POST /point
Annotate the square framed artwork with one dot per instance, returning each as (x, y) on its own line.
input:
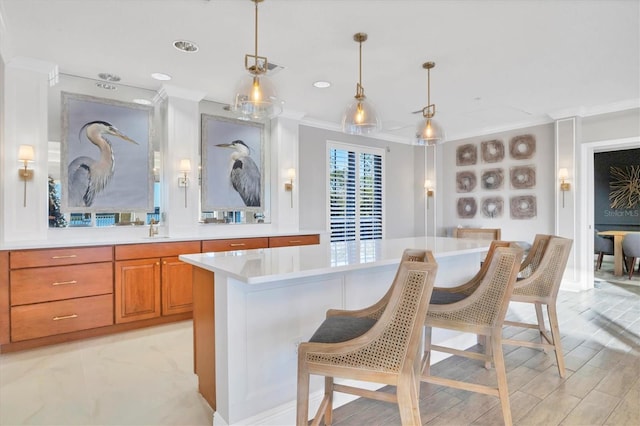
(466, 155)
(522, 147)
(106, 155)
(522, 177)
(232, 164)
(523, 207)
(492, 151)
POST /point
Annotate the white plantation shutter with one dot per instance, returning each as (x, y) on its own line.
(355, 193)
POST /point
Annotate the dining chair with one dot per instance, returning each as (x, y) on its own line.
(477, 233)
(482, 313)
(377, 344)
(601, 246)
(631, 251)
(541, 288)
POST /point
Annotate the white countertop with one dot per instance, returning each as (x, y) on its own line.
(267, 265)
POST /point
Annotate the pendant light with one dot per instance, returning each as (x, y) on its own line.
(428, 131)
(256, 97)
(360, 117)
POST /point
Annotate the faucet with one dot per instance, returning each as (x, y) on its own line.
(153, 231)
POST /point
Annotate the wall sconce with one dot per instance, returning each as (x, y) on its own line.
(288, 186)
(428, 190)
(564, 186)
(26, 155)
(183, 181)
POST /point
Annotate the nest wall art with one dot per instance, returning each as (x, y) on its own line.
(497, 179)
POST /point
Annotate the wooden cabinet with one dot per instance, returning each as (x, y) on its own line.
(177, 292)
(53, 295)
(294, 240)
(151, 281)
(49, 300)
(137, 290)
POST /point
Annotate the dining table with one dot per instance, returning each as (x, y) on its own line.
(618, 257)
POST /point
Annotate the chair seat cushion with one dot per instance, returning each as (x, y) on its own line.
(439, 297)
(341, 328)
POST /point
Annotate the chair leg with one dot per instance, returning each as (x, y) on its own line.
(599, 264)
(302, 407)
(632, 264)
(408, 405)
(555, 335)
(426, 357)
(328, 394)
(488, 352)
(501, 373)
(541, 326)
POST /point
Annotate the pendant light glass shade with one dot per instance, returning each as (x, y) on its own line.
(429, 131)
(360, 117)
(256, 96)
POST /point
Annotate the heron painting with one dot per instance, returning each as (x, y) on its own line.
(244, 175)
(106, 156)
(88, 176)
(232, 164)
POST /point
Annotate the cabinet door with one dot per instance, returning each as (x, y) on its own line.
(137, 290)
(177, 293)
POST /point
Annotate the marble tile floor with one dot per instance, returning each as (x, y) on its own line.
(144, 377)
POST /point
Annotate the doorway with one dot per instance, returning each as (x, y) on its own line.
(587, 217)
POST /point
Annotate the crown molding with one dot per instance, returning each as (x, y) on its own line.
(328, 125)
(596, 110)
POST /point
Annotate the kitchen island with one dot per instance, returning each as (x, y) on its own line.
(253, 307)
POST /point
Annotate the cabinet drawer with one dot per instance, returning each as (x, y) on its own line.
(62, 256)
(35, 285)
(149, 250)
(294, 240)
(235, 244)
(64, 316)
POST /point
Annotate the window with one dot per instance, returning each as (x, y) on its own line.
(355, 192)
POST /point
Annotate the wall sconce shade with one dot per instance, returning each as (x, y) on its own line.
(256, 96)
(26, 154)
(185, 165)
(288, 186)
(360, 117)
(428, 131)
(563, 174)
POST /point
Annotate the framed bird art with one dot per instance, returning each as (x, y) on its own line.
(106, 155)
(232, 164)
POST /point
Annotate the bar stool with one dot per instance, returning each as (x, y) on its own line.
(380, 346)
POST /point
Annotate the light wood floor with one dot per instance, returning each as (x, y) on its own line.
(601, 341)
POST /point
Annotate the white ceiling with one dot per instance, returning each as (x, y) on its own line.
(499, 64)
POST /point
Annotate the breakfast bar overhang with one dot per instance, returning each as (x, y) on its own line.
(253, 307)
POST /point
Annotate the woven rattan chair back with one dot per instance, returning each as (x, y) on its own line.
(541, 288)
(532, 261)
(482, 313)
(469, 286)
(386, 353)
(477, 233)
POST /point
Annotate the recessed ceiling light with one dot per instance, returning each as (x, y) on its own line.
(185, 46)
(321, 84)
(143, 101)
(108, 77)
(161, 76)
(106, 86)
